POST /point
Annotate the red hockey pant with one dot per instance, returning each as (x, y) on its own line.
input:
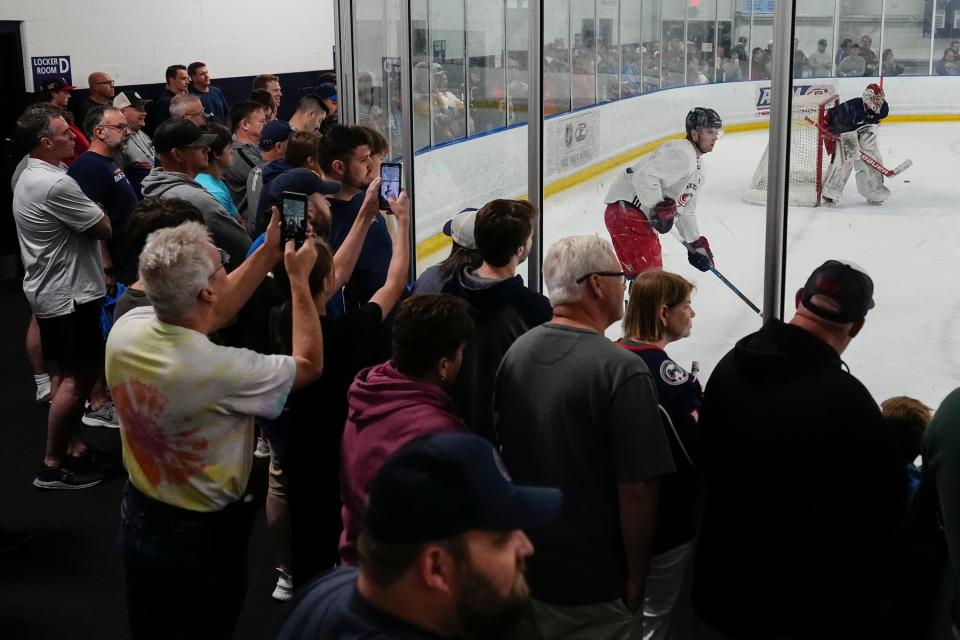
(634, 240)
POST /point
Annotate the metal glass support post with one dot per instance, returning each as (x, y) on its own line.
(345, 75)
(406, 126)
(716, 38)
(933, 34)
(883, 20)
(662, 44)
(836, 37)
(535, 140)
(686, 38)
(466, 74)
(750, 44)
(778, 169)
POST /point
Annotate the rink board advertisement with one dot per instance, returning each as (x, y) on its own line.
(571, 143)
(799, 91)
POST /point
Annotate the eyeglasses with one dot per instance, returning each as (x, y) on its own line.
(224, 260)
(104, 82)
(607, 274)
(118, 127)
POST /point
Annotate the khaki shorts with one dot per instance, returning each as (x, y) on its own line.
(276, 478)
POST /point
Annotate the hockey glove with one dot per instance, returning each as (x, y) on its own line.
(662, 215)
(700, 256)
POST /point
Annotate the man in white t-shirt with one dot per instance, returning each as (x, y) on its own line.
(59, 229)
(186, 409)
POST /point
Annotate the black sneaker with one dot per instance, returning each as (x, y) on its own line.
(67, 476)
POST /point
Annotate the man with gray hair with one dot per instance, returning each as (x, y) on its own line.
(186, 106)
(186, 408)
(595, 412)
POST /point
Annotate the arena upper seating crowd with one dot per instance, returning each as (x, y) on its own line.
(461, 457)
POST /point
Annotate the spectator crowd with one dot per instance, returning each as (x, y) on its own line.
(462, 457)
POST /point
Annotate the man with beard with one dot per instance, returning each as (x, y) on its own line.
(442, 554)
(137, 156)
(345, 157)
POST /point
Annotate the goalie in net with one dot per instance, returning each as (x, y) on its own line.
(808, 161)
(854, 126)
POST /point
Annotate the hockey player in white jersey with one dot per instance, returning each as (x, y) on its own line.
(854, 123)
(659, 194)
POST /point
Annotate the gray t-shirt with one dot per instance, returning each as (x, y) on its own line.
(575, 411)
(62, 265)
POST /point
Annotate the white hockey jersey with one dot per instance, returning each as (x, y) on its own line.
(675, 171)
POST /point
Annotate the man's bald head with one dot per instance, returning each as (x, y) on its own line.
(101, 86)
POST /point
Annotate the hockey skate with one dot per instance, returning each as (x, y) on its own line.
(875, 203)
(828, 202)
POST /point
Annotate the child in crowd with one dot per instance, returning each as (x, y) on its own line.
(908, 418)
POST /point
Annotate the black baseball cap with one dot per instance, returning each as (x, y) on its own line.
(845, 283)
(301, 181)
(446, 484)
(275, 131)
(178, 133)
(55, 83)
(325, 91)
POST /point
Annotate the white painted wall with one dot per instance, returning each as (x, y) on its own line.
(470, 173)
(135, 40)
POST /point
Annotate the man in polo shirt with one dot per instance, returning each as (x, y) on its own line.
(59, 230)
(442, 553)
(137, 156)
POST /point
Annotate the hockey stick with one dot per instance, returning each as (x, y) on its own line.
(870, 162)
(726, 282)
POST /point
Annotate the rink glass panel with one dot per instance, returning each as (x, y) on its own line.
(557, 78)
(485, 90)
(518, 36)
(377, 66)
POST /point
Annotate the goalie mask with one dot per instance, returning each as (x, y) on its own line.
(873, 97)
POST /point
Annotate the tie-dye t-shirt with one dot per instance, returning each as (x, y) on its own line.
(186, 409)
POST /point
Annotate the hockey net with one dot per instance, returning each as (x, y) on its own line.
(808, 160)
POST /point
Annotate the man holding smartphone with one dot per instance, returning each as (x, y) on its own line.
(345, 156)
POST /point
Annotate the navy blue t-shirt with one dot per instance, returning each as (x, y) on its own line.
(105, 183)
(680, 396)
(370, 274)
(330, 607)
(214, 105)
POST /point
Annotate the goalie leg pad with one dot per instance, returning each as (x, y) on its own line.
(634, 240)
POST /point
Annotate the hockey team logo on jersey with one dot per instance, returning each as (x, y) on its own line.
(672, 373)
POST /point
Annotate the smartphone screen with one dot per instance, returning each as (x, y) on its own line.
(389, 181)
(294, 212)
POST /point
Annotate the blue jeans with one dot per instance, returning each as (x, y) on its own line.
(186, 571)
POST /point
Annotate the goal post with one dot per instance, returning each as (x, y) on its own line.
(808, 160)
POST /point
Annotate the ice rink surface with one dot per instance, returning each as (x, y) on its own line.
(910, 344)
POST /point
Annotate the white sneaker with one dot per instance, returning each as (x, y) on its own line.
(263, 448)
(284, 589)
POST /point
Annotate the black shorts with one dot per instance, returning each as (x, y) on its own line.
(74, 341)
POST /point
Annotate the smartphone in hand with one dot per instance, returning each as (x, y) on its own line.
(293, 218)
(389, 183)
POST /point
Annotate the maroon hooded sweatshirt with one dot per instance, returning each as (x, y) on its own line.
(386, 410)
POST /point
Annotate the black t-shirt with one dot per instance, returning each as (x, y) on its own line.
(313, 426)
(105, 183)
(331, 607)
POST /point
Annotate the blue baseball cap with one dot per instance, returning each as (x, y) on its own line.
(275, 131)
(326, 91)
(446, 484)
(303, 181)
